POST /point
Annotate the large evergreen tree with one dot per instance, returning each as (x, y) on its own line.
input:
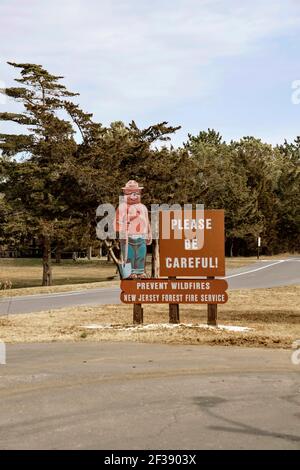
(288, 193)
(36, 172)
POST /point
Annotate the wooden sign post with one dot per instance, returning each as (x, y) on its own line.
(174, 310)
(212, 312)
(138, 314)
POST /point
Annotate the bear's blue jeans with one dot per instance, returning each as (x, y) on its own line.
(136, 254)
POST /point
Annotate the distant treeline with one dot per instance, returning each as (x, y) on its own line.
(52, 183)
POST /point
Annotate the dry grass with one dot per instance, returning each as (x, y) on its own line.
(28, 272)
(241, 261)
(272, 314)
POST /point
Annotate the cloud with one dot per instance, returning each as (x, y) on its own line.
(132, 58)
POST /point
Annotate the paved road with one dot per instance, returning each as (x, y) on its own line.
(266, 274)
(260, 274)
(142, 396)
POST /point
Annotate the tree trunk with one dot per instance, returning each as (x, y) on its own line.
(58, 254)
(47, 267)
(231, 248)
(89, 253)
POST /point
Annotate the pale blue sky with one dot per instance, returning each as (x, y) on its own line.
(227, 65)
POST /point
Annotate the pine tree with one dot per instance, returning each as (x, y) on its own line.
(36, 172)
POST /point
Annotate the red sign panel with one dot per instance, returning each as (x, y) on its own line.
(192, 291)
(192, 243)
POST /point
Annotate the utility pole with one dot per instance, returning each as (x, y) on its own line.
(258, 246)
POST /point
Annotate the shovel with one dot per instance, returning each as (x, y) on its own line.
(125, 268)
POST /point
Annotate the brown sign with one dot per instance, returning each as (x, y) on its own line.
(192, 243)
(191, 291)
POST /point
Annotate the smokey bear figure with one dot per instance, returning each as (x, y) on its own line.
(134, 230)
